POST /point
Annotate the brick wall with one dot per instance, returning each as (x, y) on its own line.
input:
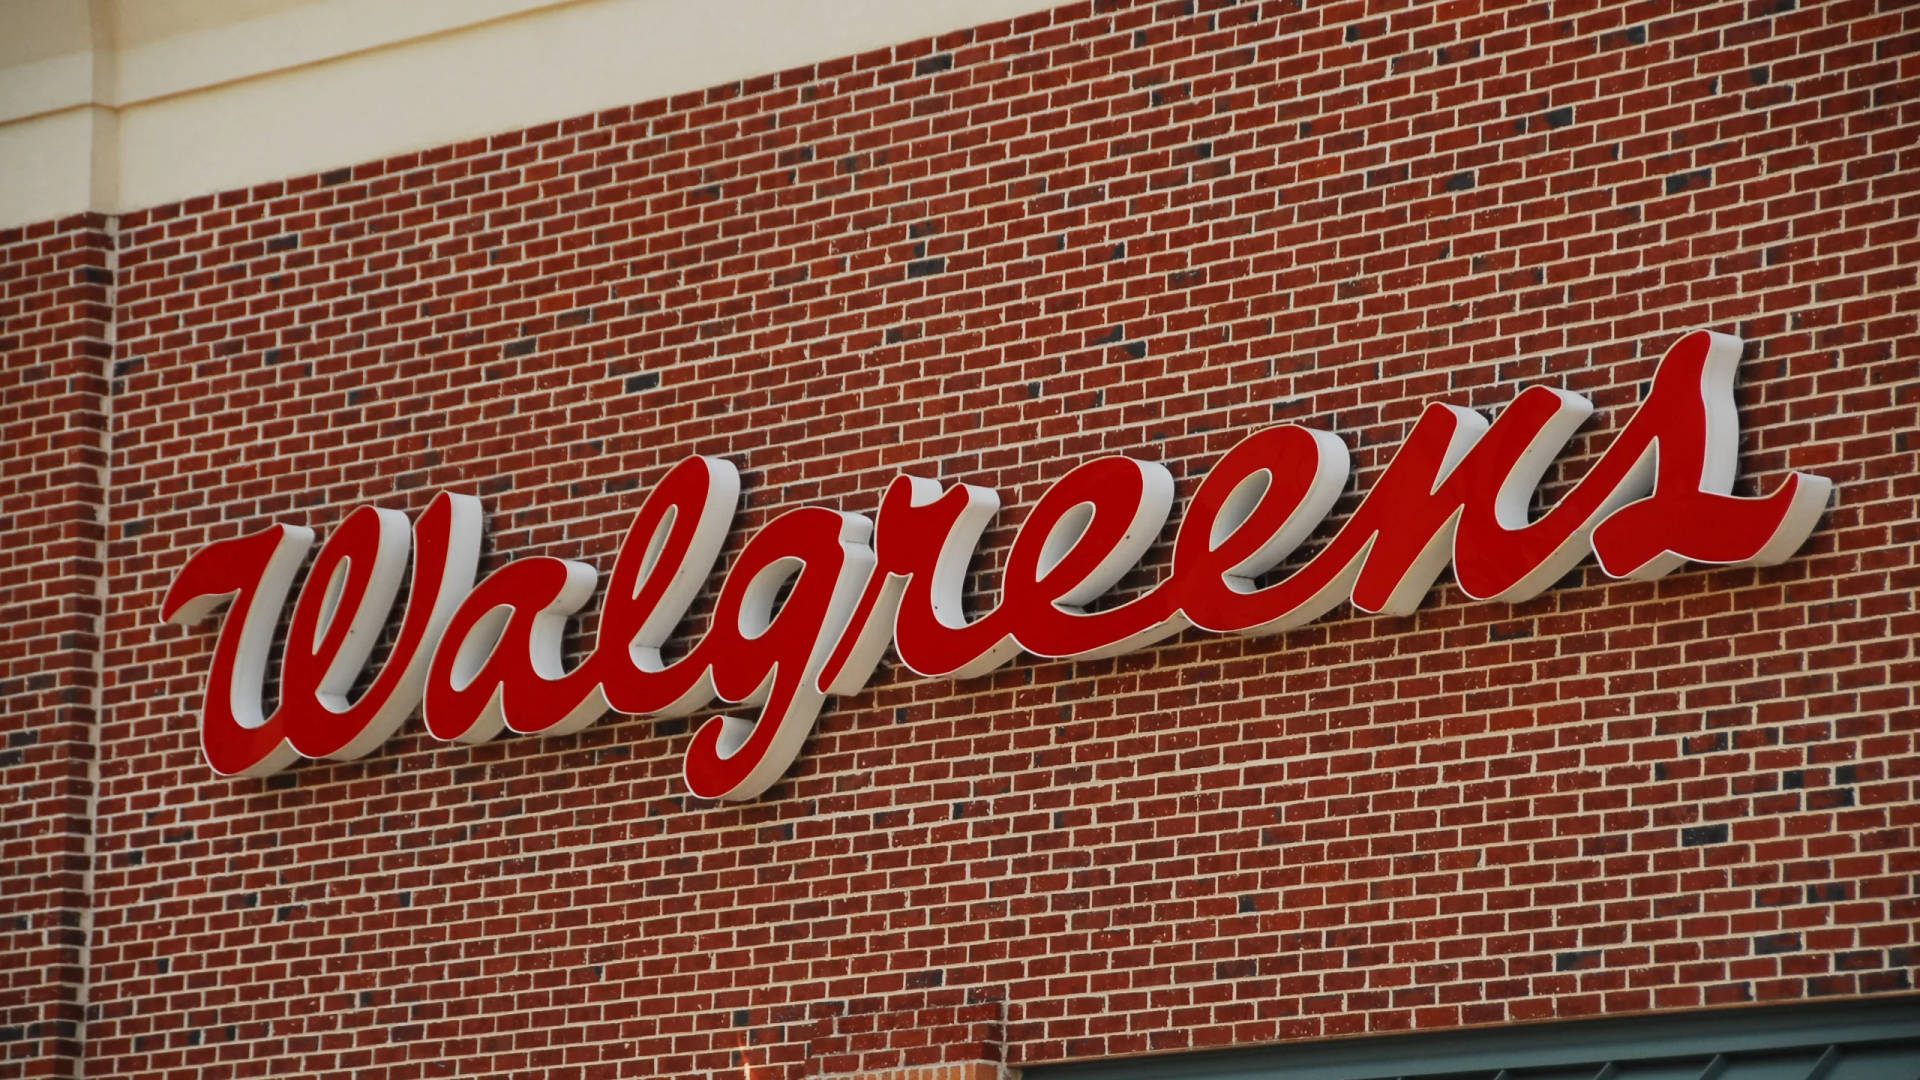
(55, 334)
(1145, 229)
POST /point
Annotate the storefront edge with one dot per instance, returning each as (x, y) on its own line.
(56, 335)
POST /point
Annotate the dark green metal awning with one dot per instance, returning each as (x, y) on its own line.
(1860, 1040)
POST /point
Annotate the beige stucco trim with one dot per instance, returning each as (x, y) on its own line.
(115, 105)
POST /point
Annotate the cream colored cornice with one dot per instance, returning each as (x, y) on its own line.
(115, 105)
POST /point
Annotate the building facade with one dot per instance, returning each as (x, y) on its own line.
(268, 263)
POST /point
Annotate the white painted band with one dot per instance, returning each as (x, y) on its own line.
(124, 104)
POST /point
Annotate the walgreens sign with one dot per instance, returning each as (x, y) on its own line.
(811, 604)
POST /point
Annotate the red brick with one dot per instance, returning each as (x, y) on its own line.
(1132, 228)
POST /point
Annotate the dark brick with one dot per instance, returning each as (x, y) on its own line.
(1576, 961)
(1699, 835)
(1687, 181)
(1832, 892)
